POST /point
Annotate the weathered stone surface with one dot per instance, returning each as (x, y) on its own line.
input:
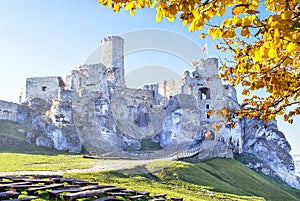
(44, 142)
(21, 131)
(271, 147)
(181, 122)
(38, 123)
(38, 106)
(95, 110)
(45, 88)
(65, 138)
(135, 114)
(29, 137)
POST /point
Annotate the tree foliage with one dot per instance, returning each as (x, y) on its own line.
(264, 38)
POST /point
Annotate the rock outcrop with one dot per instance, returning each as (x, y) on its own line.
(95, 111)
(271, 149)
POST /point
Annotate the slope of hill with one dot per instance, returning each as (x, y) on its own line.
(225, 179)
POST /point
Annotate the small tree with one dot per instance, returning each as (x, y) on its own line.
(264, 38)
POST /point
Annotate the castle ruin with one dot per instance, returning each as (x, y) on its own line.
(92, 109)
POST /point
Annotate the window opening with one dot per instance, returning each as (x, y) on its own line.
(44, 88)
(204, 93)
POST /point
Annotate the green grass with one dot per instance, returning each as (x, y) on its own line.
(18, 162)
(216, 179)
(147, 145)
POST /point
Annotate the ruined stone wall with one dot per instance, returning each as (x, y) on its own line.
(89, 78)
(230, 97)
(169, 88)
(181, 124)
(8, 111)
(136, 113)
(41, 87)
(134, 97)
(13, 112)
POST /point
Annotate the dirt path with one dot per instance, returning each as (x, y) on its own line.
(101, 165)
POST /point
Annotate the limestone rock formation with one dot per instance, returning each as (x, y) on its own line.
(270, 146)
(181, 122)
(94, 110)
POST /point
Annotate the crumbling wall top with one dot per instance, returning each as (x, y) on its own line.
(111, 38)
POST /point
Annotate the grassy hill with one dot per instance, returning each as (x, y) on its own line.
(216, 179)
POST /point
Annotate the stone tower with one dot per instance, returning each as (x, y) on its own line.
(208, 91)
(112, 56)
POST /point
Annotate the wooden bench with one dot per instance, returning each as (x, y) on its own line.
(108, 199)
(160, 196)
(34, 191)
(177, 199)
(68, 180)
(129, 191)
(8, 194)
(135, 197)
(8, 185)
(83, 182)
(74, 181)
(28, 198)
(112, 189)
(15, 178)
(143, 193)
(20, 188)
(36, 181)
(82, 194)
(89, 194)
(47, 176)
(54, 194)
(118, 194)
(71, 186)
(6, 182)
(106, 186)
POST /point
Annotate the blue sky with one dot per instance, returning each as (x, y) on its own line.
(52, 37)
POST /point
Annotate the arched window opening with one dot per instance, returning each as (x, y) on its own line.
(204, 93)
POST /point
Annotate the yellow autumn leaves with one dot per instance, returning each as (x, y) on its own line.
(263, 36)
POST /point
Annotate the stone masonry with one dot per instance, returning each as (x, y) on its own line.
(93, 110)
